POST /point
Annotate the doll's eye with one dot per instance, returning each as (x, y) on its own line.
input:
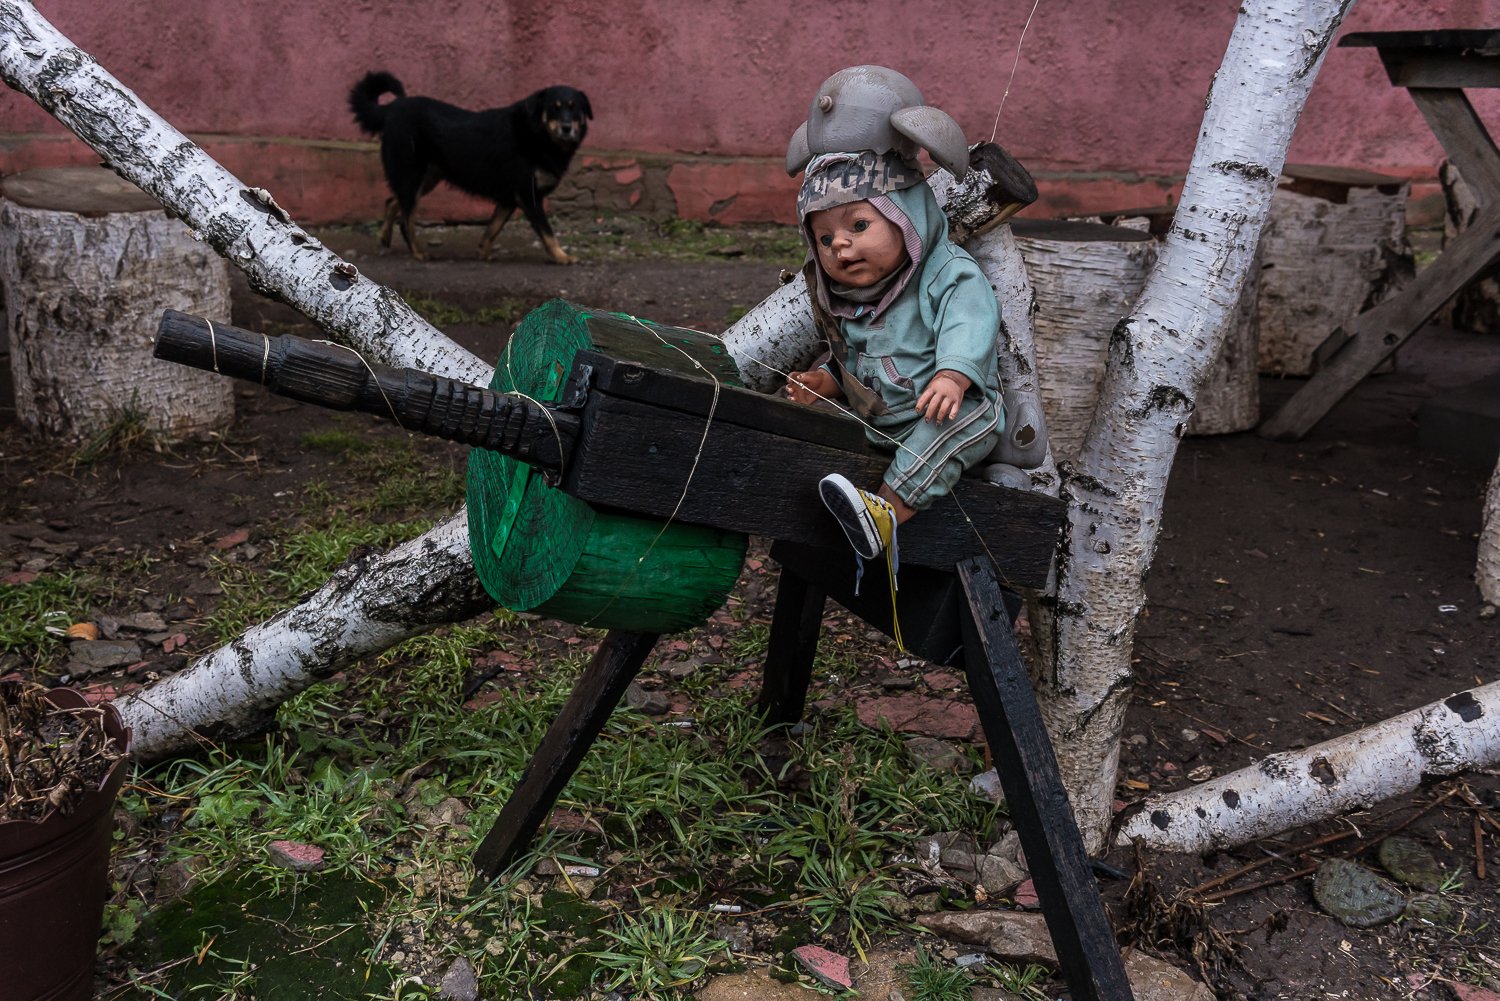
(860, 225)
(826, 240)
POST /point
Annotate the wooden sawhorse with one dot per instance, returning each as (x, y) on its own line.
(1435, 67)
(949, 617)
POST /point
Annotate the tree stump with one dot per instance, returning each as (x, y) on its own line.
(1334, 245)
(1087, 277)
(1477, 307)
(88, 262)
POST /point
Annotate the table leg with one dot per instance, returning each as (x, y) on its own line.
(795, 624)
(1034, 794)
(1464, 138)
(597, 692)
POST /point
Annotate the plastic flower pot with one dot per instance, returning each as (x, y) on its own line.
(54, 880)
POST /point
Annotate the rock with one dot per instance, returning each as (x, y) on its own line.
(1412, 863)
(1355, 895)
(738, 937)
(1008, 935)
(295, 855)
(753, 985)
(939, 755)
(1152, 980)
(986, 785)
(1432, 909)
(1026, 897)
(955, 852)
(648, 703)
(88, 656)
(143, 622)
(459, 982)
(998, 874)
(932, 717)
(828, 968)
(1463, 992)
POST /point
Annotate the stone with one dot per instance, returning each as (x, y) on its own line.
(1432, 909)
(1357, 896)
(933, 717)
(459, 982)
(88, 656)
(998, 874)
(955, 851)
(828, 968)
(648, 703)
(295, 855)
(1412, 863)
(143, 622)
(1152, 980)
(1463, 992)
(986, 785)
(939, 755)
(753, 985)
(1009, 935)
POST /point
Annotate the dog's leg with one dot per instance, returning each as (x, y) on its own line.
(392, 209)
(532, 206)
(497, 223)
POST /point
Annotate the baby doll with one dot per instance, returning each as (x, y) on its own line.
(911, 322)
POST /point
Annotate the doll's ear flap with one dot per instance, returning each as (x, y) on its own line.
(798, 153)
(937, 133)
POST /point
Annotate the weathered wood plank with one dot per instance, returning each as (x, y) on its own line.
(1034, 794)
(795, 623)
(648, 460)
(1464, 137)
(1372, 336)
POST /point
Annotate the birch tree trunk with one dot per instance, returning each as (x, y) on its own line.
(1487, 570)
(1158, 358)
(1349, 772)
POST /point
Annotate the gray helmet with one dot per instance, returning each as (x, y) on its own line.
(875, 108)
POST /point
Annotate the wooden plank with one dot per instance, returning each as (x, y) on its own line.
(651, 461)
(795, 623)
(1485, 40)
(1035, 797)
(1376, 333)
(595, 695)
(1414, 69)
(735, 405)
(1465, 139)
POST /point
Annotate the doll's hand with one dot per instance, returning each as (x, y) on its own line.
(809, 387)
(940, 400)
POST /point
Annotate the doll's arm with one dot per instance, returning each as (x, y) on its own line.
(810, 386)
(944, 392)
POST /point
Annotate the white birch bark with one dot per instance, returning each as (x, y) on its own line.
(1158, 358)
(243, 224)
(367, 606)
(1487, 570)
(83, 294)
(1350, 772)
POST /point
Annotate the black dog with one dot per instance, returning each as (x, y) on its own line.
(513, 156)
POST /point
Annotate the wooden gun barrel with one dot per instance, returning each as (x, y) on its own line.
(340, 378)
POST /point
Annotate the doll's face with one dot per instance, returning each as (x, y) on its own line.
(857, 246)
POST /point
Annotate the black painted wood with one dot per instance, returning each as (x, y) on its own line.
(597, 692)
(641, 458)
(1034, 793)
(795, 624)
(341, 379)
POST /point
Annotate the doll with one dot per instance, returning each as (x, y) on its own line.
(910, 319)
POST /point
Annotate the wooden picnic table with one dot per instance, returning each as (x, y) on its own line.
(1436, 68)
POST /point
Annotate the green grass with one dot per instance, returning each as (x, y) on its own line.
(442, 313)
(51, 602)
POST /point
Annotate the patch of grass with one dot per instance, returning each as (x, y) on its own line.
(337, 440)
(442, 313)
(654, 952)
(126, 430)
(928, 980)
(27, 610)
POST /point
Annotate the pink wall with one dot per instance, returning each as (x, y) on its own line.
(1104, 108)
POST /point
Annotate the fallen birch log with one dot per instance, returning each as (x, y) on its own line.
(1294, 788)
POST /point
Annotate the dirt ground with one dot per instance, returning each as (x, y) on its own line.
(1299, 591)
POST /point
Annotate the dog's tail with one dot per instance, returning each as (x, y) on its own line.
(364, 100)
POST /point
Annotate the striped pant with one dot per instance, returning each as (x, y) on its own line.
(930, 457)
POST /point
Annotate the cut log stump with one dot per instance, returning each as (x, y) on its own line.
(87, 264)
(1334, 245)
(1087, 277)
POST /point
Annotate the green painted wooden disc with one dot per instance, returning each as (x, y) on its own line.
(539, 549)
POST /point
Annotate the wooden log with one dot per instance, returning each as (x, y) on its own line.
(1334, 245)
(1477, 307)
(1229, 398)
(87, 261)
(1087, 277)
